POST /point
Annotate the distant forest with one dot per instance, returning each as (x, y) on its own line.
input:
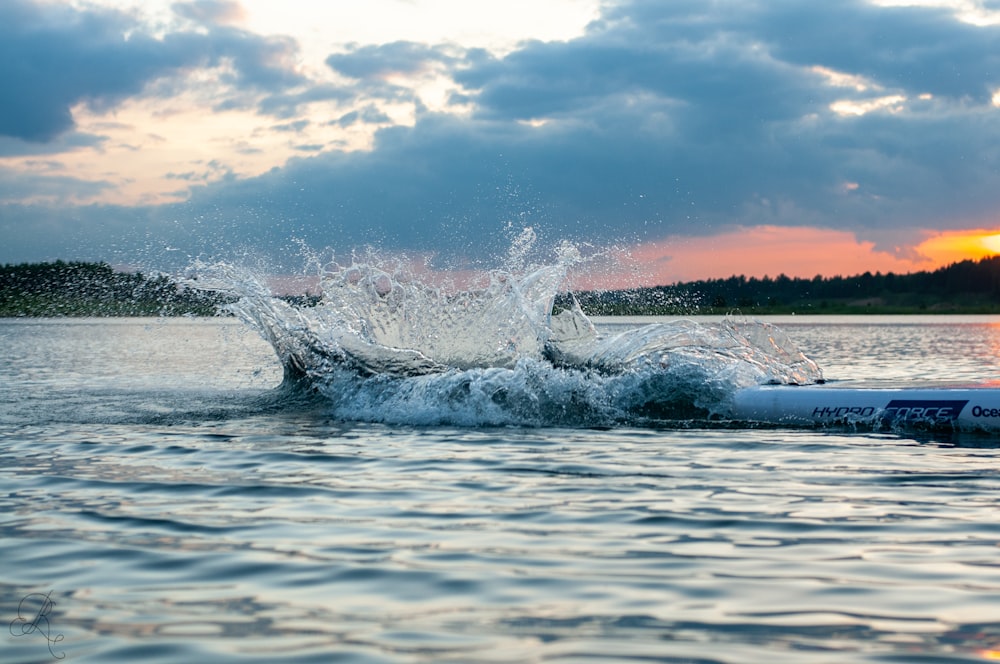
(963, 287)
(96, 289)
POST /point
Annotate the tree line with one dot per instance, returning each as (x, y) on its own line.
(95, 289)
(964, 287)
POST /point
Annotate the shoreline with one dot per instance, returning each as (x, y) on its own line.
(812, 312)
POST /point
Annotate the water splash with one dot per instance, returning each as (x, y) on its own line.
(389, 340)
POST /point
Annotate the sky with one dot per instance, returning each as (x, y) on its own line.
(680, 140)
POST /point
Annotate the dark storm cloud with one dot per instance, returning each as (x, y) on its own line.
(665, 118)
(53, 57)
(743, 60)
(258, 63)
(377, 61)
(921, 50)
(19, 185)
(372, 66)
(67, 142)
(286, 104)
(462, 187)
(680, 117)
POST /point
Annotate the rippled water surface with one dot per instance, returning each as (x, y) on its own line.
(173, 505)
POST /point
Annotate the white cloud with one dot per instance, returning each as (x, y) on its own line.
(889, 103)
(843, 80)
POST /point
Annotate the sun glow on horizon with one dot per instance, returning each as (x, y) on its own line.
(952, 246)
(800, 252)
(991, 242)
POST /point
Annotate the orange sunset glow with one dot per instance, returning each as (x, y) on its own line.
(799, 252)
(953, 246)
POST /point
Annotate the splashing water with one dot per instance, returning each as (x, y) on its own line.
(386, 342)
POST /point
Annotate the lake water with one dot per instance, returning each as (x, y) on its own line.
(162, 501)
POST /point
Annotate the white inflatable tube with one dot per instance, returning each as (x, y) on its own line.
(965, 408)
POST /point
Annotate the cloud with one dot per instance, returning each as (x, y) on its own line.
(67, 142)
(664, 119)
(736, 66)
(259, 63)
(382, 60)
(292, 127)
(46, 185)
(288, 103)
(679, 119)
(370, 114)
(53, 57)
(393, 73)
(211, 12)
(915, 49)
